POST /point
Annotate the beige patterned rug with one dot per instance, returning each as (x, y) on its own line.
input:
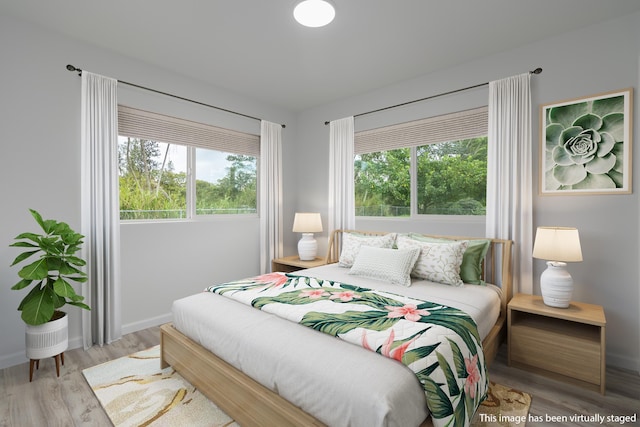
(134, 391)
(504, 406)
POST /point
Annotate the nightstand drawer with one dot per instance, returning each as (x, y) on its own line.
(573, 356)
(567, 344)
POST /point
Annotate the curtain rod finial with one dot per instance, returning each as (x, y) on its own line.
(72, 68)
(537, 71)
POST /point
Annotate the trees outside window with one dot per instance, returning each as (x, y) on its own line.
(382, 183)
(150, 185)
(225, 183)
(174, 168)
(155, 183)
(450, 179)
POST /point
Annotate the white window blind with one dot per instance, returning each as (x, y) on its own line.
(136, 123)
(448, 127)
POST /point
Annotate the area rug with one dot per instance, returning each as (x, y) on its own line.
(504, 406)
(134, 391)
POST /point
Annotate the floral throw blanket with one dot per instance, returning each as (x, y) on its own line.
(439, 344)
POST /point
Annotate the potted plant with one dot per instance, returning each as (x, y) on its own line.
(50, 277)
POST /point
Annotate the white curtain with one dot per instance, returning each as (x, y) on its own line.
(342, 211)
(509, 179)
(100, 209)
(270, 194)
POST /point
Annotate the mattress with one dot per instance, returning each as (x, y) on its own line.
(338, 383)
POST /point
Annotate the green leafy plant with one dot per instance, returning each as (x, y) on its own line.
(51, 274)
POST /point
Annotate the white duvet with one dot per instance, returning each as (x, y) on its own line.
(338, 383)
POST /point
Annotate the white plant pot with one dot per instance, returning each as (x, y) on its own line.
(48, 339)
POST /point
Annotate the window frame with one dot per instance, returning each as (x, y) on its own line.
(457, 126)
(137, 123)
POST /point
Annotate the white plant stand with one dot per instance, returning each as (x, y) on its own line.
(50, 339)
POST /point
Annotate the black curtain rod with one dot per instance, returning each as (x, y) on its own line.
(536, 71)
(72, 68)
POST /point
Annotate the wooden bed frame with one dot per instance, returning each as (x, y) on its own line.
(249, 403)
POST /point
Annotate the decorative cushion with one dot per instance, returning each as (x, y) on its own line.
(471, 267)
(351, 244)
(389, 265)
(438, 261)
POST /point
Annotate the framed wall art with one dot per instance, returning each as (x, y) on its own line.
(585, 145)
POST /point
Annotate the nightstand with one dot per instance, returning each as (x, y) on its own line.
(293, 263)
(564, 343)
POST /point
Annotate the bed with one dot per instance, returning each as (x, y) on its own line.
(222, 368)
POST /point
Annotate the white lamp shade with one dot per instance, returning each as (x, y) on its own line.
(307, 223)
(557, 244)
(314, 13)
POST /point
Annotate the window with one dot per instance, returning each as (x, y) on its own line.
(152, 179)
(226, 183)
(452, 177)
(434, 166)
(171, 168)
(382, 183)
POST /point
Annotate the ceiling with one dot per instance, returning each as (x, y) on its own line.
(255, 48)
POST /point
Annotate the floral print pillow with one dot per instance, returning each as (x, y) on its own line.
(438, 262)
(351, 244)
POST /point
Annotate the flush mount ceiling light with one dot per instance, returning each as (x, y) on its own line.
(314, 13)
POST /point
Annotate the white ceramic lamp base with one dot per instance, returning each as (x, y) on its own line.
(307, 247)
(556, 285)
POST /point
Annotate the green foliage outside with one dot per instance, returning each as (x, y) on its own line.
(382, 183)
(150, 188)
(451, 180)
(236, 192)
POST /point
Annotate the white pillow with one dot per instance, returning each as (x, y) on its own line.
(351, 244)
(389, 265)
(438, 261)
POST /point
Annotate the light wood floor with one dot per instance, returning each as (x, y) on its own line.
(68, 400)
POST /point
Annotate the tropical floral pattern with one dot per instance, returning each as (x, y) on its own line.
(439, 344)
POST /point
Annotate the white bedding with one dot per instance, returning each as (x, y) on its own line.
(338, 383)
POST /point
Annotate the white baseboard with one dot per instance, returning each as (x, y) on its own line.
(12, 359)
(623, 362)
(19, 357)
(146, 323)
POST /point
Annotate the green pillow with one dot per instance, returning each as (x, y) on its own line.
(471, 267)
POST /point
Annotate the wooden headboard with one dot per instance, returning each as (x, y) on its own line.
(497, 264)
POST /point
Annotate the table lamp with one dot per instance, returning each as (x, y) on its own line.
(557, 245)
(307, 224)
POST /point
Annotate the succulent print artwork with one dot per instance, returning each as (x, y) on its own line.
(587, 145)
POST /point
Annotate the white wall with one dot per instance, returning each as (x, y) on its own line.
(596, 59)
(40, 158)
